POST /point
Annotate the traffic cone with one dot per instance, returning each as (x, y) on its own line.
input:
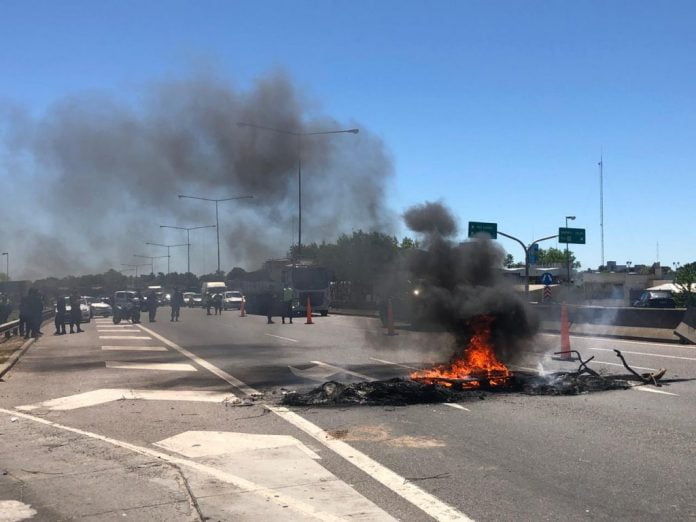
(390, 319)
(242, 309)
(309, 312)
(565, 354)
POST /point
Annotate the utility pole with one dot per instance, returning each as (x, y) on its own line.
(7, 266)
(601, 202)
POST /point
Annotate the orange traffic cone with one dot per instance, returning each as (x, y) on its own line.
(242, 309)
(390, 319)
(565, 354)
(309, 312)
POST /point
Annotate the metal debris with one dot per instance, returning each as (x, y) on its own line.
(647, 378)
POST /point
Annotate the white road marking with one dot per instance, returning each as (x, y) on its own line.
(267, 494)
(395, 364)
(14, 511)
(653, 390)
(105, 395)
(102, 330)
(428, 503)
(457, 406)
(647, 354)
(423, 500)
(135, 348)
(125, 337)
(283, 338)
(256, 457)
(205, 364)
(343, 370)
(166, 367)
(614, 340)
(622, 366)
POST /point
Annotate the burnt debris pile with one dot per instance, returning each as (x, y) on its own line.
(400, 392)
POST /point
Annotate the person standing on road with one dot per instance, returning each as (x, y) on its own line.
(152, 306)
(75, 312)
(34, 312)
(287, 304)
(60, 316)
(270, 304)
(208, 303)
(217, 304)
(177, 301)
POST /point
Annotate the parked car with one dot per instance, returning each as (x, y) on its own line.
(97, 306)
(194, 300)
(232, 300)
(85, 314)
(655, 299)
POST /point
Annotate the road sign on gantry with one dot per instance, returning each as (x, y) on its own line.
(571, 235)
(478, 227)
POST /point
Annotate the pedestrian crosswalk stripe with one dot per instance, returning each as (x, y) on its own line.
(168, 367)
(135, 348)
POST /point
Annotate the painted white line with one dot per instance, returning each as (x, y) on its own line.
(166, 367)
(653, 390)
(524, 368)
(395, 364)
(125, 337)
(283, 338)
(457, 406)
(614, 340)
(135, 348)
(105, 395)
(622, 366)
(647, 354)
(274, 495)
(423, 500)
(205, 364)
(113, 330)
(343, 370)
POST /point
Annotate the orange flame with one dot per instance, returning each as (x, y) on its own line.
(477, 361)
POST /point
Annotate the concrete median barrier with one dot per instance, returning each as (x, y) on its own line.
(686, 330)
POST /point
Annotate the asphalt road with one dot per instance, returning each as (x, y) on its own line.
(622, 455)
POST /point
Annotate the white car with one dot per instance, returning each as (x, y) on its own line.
(232, 300)
(98, 307)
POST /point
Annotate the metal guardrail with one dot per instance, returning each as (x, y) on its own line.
(13, 327)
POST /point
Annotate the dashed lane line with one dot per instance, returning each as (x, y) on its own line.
(167, 367)
(283, 338)
(395, 364)
(274, 495)
(653, 390)
(142, 337)
(613, 340)
(648, 354)
(622, 366)
(456, 406)
(411, 493)
(344, 370)
(134, 348)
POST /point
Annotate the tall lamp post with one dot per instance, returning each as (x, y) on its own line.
(188, 241)
(299, 136)
(152, 261)
(217, 217)
(7, 266)
(567, 252)
(167, 247)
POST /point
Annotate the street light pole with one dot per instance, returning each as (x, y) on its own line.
(7, 266)
(188, 240)
(567, 252)
(526, 249)
(135, 267)
(217, 218)
(167, 247)
(299, 136)
(152, 261)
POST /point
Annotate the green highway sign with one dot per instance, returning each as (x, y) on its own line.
(571, 235)
(476, 227)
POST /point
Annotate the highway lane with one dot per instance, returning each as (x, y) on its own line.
(620, 455)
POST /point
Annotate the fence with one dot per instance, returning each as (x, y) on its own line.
(13, 327)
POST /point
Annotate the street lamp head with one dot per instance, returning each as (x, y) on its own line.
(572, 218)
(353, 131)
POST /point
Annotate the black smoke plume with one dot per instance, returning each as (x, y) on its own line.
(89, 180)
(461, 281)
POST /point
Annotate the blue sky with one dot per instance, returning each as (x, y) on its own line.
(500, 109)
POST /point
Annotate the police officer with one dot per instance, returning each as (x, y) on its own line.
(60, 316)
(217, 304)
(152, 306)
(75, 313)
(287, 304)
(177, 301)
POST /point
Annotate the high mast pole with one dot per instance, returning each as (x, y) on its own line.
(601, 203)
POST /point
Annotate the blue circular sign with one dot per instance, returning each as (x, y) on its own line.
(546, 278)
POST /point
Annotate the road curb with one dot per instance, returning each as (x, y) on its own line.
(7, 365)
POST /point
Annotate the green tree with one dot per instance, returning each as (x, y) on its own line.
(556, 256)
(685, 279)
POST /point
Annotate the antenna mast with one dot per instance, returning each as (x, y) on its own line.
(601, 202)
